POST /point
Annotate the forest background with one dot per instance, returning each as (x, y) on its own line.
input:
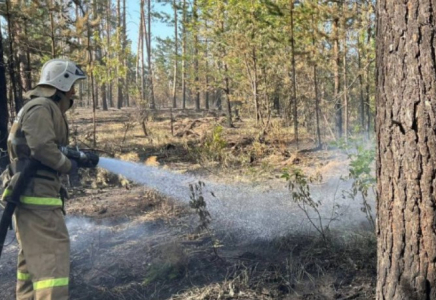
(309, 63)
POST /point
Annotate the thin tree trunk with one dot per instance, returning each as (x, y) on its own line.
(149, 57)
(206, 96)
(294, 80)
(94, 100)
(18, 100)
(4, 113)
(100, 54)
(138, 50)
(345, 93)
(52, 29)
(346, 113)
(184, 56)
(367, 88)
(142, 69)
(315, 82)
(406, 157)
(227, 91)
(125, 80)
(255, 86)
(28, 70)
(196, 63)
(175, 55)
(119, 54)
(361, 91)
(337, 61)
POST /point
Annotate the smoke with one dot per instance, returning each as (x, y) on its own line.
(249, 210)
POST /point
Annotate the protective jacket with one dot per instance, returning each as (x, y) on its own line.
(38, 131)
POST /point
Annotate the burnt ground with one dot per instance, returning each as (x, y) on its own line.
(129, 242)
(151, 250)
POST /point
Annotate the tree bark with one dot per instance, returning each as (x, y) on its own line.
(142, 68)
(121, 41)
(184, 55)
(255, 85)
(344, 68)
(28, 69)
(361, 89)
(196, 63)
(16, 90)
(206, 66)
(176, 53)
(125, 80)
(51, 9)
(367, 88)
(406, 160)
(315, 83)
(100, 54)
(337, 62)
(294, 80)
(149, 57)
(4, 113)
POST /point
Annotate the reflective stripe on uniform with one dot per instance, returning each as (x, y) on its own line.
(6, 193)
(35, 200)
(23, 276)
(49, 283)
(61, 162)
(17, 141)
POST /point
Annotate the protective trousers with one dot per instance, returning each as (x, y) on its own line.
(44, 256)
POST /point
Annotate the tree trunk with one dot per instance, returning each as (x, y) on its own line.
(367, 88)
(28, 69)
(125, 80)
(100, 54)
(406, 160)
(18, 99)
(227, 91)
(361, 91)
(183, 55)
(255, 85)
(176, 41)
(344, 68)
(149, 57)
(294, 80)
(206, 54)
(345, 92)
(108, 41)
(315, 83)
(337, 62)
(120, 39)
(142, 68)
(4, 114)
(196, 63)
(52, 29)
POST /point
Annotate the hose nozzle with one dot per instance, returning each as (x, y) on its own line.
(84, 159)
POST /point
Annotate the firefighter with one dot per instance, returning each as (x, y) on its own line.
(38, 131)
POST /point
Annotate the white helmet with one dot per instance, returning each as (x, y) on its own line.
(60, 74)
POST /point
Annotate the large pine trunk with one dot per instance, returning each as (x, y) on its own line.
(406, 161)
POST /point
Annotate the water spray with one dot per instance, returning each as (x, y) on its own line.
(250, 210)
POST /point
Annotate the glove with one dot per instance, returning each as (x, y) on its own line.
(91, 160)
(73, 174)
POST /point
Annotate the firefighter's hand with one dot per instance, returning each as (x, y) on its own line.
(73, 174)
(88, 159)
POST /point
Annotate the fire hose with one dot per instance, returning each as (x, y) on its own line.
(29, 167)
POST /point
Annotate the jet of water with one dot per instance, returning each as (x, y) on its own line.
(241, 208)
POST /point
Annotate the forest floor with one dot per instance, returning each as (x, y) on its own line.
(131, 242)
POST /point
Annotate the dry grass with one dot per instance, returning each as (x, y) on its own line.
(289, 268)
